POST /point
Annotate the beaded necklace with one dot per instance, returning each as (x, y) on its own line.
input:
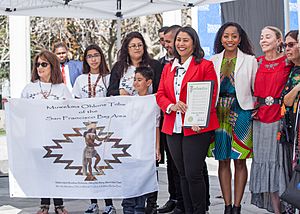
(44, 93)
(92, 90)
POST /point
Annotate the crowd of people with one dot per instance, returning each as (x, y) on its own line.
(253, 112)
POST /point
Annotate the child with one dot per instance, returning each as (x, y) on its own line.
(94, 83)
(142, 80)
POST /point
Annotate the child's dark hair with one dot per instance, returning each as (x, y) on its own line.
(146, 72)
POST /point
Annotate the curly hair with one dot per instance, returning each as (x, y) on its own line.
(245, 45)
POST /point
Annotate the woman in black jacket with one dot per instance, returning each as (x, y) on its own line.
(132, 54)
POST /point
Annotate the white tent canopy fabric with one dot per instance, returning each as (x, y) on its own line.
(103, 9)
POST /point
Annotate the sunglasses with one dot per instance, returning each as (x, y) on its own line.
(43, 64)
(290, 44)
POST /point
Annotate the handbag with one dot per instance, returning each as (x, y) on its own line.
(292, 194)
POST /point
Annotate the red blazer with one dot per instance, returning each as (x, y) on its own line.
(166, 96)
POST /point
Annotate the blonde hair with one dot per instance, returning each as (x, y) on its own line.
(278, 34)
(276, 30)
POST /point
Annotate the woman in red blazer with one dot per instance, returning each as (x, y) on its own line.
(188, 146)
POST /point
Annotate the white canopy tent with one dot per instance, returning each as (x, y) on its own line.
(102, 9)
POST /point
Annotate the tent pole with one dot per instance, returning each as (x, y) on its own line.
(286, 16)
(19, 51)
(119, 33)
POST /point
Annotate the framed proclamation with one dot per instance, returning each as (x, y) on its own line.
(199, 101)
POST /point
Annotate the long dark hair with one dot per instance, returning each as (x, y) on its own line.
(103, 68)
(198, 52)
(245, 45)
(123, 55)
(293, 34)
(51, 58)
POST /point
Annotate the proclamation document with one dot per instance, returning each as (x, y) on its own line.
(199, 98)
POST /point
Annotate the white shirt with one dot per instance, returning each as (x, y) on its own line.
(34, 90)
(126, 82)
(81, 87)
(179, 75)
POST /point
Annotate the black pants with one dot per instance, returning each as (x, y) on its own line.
(174, 187)
(189, 153)
(108, 202)
(206, 180)
(56, 201)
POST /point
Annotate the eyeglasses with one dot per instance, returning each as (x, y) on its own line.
(43, 64)
(93, 56)
(135, 46)
(290, 44)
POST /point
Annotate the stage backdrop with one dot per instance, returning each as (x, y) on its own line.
(50, 144)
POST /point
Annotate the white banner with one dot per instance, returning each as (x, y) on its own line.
(82, 148)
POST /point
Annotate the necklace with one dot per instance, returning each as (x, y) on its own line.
(92, 90)
(44, 93)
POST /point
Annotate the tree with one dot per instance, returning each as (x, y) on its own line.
(4, 48)
(79, 33)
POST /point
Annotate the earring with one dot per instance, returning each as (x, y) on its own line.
(278, 49)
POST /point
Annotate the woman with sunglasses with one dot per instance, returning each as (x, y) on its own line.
(292, 88)
(271, 77)
(94, 83)
(47, 83)
(290, 96)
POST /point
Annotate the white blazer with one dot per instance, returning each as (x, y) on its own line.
(244, 77)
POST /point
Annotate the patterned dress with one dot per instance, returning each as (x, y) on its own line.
(287, 135)
(233, 140)
(293, 80)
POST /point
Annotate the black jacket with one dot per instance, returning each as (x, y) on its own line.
(114, 82)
